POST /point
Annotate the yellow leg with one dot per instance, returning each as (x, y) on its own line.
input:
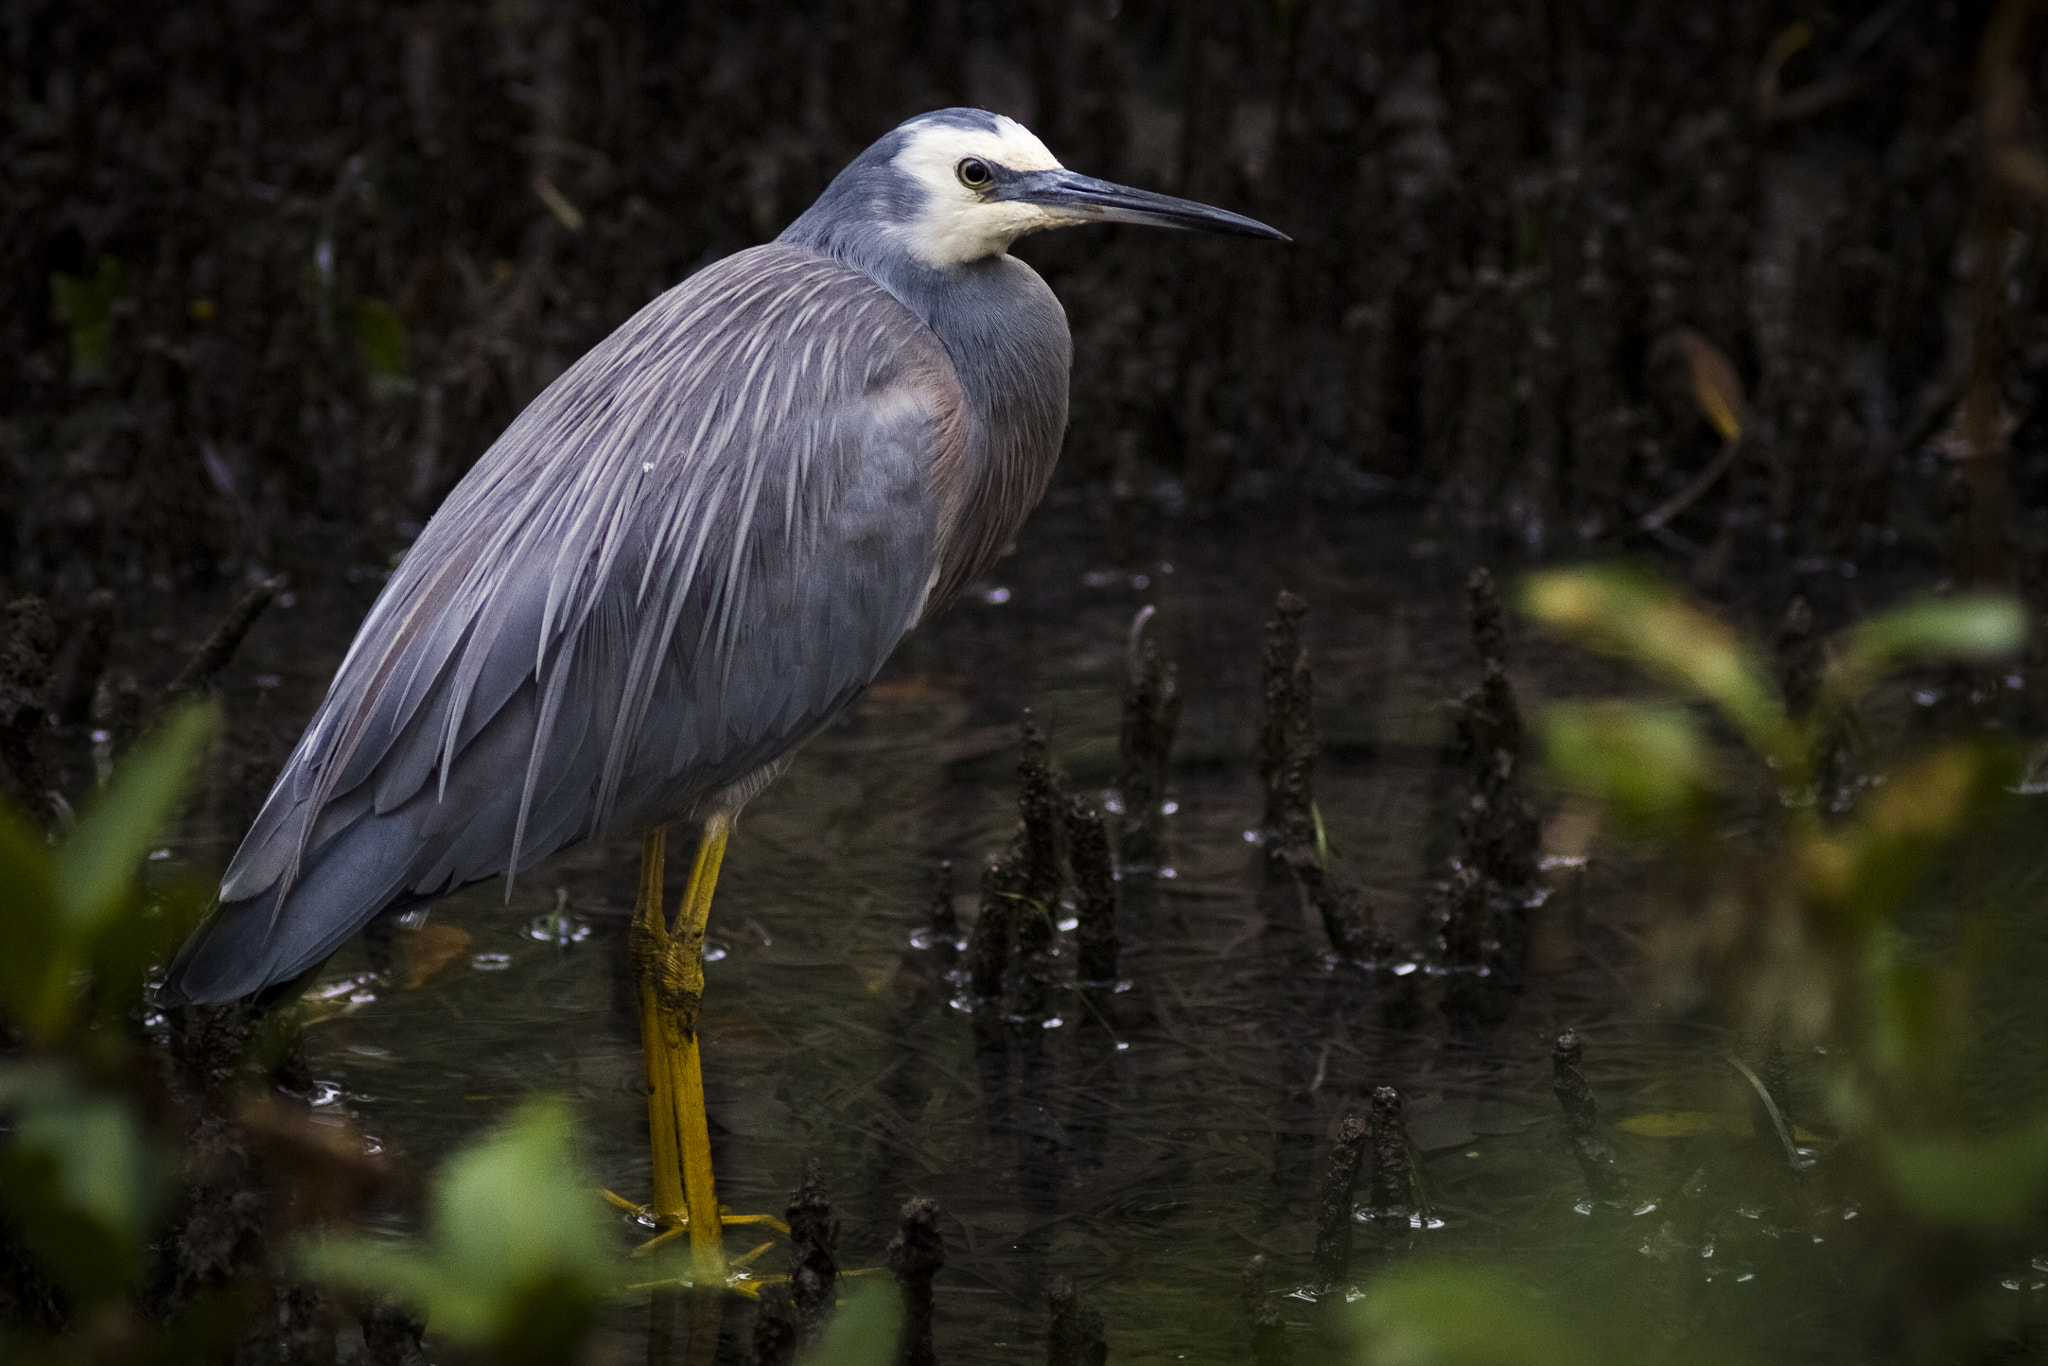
(668, 969)
(685, 991)
(649, 947)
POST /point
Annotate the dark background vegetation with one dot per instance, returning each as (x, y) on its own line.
(272, 275)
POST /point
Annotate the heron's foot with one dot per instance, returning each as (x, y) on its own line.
(741, 1279)
(678, 1225)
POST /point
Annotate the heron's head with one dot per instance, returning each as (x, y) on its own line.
(958, 185)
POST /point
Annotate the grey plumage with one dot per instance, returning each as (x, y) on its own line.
(687, 555)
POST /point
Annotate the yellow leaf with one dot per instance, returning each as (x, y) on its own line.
(1699, 1124)
(1715, 385)
(1689, 1124)
(430, 949)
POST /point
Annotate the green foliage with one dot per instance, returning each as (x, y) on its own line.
(83, 1176)
(382, 334)
(1995, 1185)
(862, 1330)
(1436, 1316)
(1800, 914)
(85, 304)
(517, 1255)
(1629, 613)
(75, 911)
(1647, 763)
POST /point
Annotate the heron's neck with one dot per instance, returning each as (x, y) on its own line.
(1007, 336)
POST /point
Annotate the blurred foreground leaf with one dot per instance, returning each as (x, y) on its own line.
(80, 1177)
(1994, 1185)
(517, 1254)
(1626, 612)
(1439, 1317)
(1645, 762)
(74, 909)
(1971, 627)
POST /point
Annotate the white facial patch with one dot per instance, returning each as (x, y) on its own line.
(957, 224)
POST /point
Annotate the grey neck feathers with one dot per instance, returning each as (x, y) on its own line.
(1006, 334)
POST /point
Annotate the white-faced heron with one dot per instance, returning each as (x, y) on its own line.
(683, 559)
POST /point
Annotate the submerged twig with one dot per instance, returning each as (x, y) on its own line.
(1287, 749)
(1582, 1121)
(916, 1254)
(1094, 894)
(1396, 1190)
(1333, 1205)
(1151, 714)
(218, 648)
(813, 1240)
(1074, 1337)
(1262, 1321)
(25, 657)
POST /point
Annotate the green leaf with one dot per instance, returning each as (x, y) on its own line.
(1634, 615)
(1993, 1185)
(96, 866)
(382, 334)
(1977, 626)
(862, 1330)
(28, 922)
(80, 1177)
(518, 1252)
(1644, 762)
(85, 303)
(1442, 1317)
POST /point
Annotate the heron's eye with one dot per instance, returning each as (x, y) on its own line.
(974, 174)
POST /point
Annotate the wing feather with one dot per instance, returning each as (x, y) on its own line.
(683, 558)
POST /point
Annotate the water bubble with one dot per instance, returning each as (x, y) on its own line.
(324, 1093)
(716, 950)
(558, 928)
(159, 855)
(1168, 808)
(1168, 874)
(368, 1050)
(1070, 923)
(996, 597)
(491, 962)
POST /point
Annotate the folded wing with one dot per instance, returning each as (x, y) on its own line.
(683, 558)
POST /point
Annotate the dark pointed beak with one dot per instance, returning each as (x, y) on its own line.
(1083, 199)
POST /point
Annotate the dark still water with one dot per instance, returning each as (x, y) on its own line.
(1147, 1145)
